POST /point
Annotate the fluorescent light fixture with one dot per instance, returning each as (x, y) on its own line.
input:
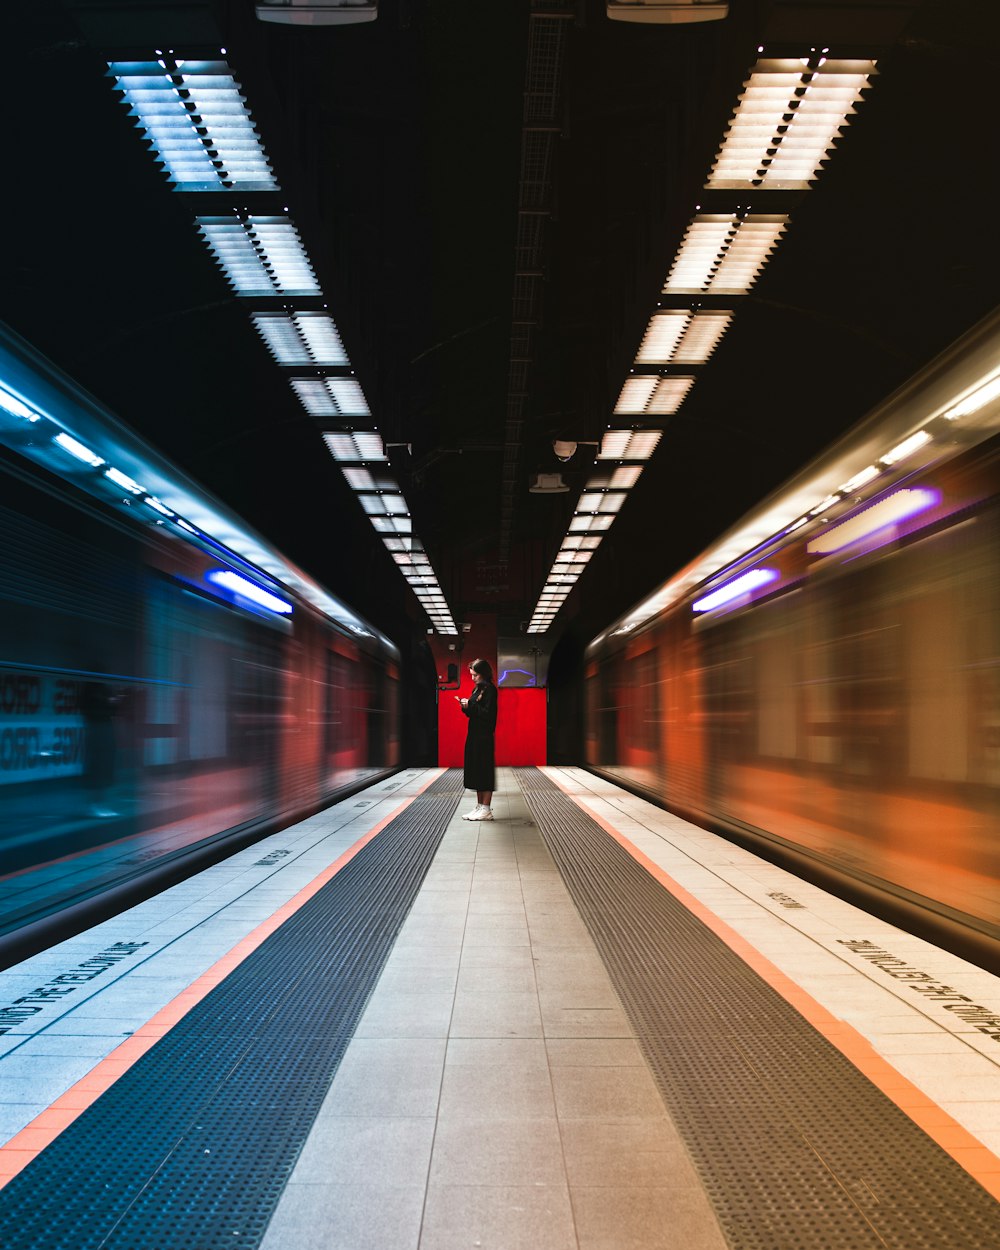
(392, 524)
(590, 524)
(17, 407)
(860, 479)
(629, 444)
(157, 506)
(624, 477)
(652, 395)
(356, 446)
(403, 544)
(246, 589)
(735, 589)
(301, 338)
(789, 117)
(898, 506)
(686, 338)
(906, 448)
(601, 501)
(331, 397)
(390, 505)
(205, 139)
(124, 481)
(363, 479)
(724, 254)
(260, 256)
(975, 400)
(661, 338)
(75, 448)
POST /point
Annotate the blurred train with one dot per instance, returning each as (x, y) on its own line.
(823, 684)
(171, 687)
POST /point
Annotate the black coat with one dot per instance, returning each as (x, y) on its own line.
(481, 710)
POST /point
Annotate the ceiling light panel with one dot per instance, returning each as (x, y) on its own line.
(678, 337)
(403, 544)
(789, 116)
(384, 504)
(642, 396)
(364, 479)
(392, 524)
(197, 123)
(590, 524)
(331, 397)
(629, 444)
(260, 255)
(723, 254)
(623, 477)
(355, 446)
(601, 501)
(301, 338)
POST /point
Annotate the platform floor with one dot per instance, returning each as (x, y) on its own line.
(494, 1092)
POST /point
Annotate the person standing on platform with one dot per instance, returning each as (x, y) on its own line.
(481, 709)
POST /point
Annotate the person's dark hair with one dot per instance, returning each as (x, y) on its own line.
(482, 667)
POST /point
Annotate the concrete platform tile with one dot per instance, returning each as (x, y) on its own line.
(630, 1154)
(591, 996)
(413, 955)
(570, 971)
(353, 1150)
(496, 1013)
(644, 1219)
(505, 956)
(346, 1217)
(497, 1152)
(495, 1093)
(594, 1052)
(375, 1091)
(418, 980)
(606, 1094)
(586, 1022)
(398, 1014)
(487, 901)
(523, 1217)
(497, 979)
(520, 1053)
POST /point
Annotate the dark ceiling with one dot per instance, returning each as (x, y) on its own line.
(398, 145)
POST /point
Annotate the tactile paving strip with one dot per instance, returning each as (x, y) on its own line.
(796, 1148)
(192, 1147)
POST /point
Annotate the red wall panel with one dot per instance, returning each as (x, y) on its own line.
(521, 726)
(521, 713)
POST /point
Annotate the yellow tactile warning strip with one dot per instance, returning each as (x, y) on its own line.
(21, 1149)
(982, 1164)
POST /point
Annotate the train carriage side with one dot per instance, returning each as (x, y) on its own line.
(845, 716)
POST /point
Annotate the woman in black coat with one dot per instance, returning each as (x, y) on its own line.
(481, 709)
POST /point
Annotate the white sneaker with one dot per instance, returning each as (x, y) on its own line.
(474, 814)
(485, 813)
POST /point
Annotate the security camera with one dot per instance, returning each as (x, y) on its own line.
(564, 449)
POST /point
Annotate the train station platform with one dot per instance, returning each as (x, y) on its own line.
(588, 1023)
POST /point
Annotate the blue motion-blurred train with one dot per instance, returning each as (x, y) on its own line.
(169, 683)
